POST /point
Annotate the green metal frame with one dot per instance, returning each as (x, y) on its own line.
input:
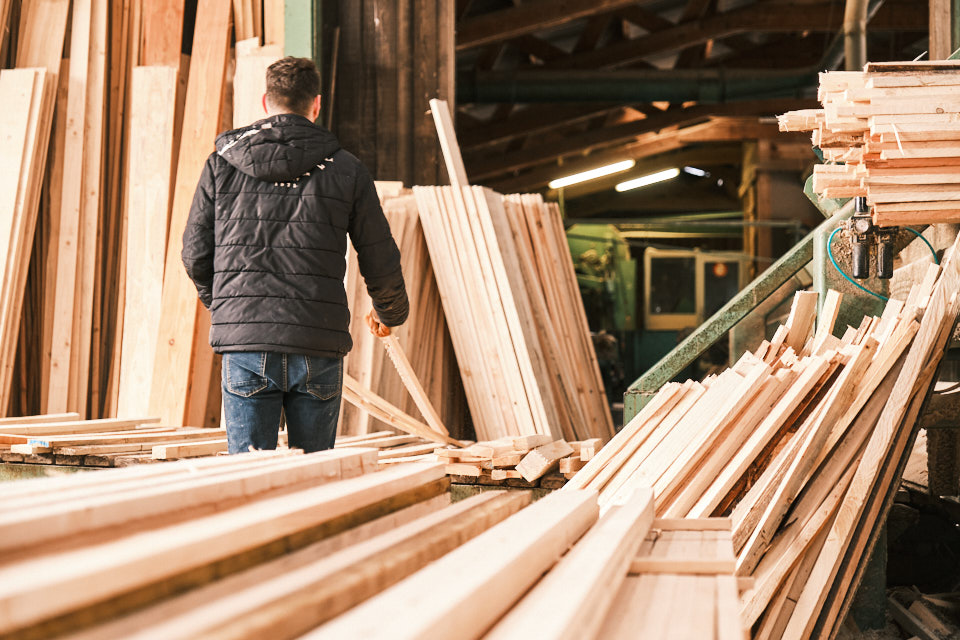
(301, 29)
(647, 385)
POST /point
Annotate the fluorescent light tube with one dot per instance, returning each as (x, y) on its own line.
(592, 174)
(653, 178)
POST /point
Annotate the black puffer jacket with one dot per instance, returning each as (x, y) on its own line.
(267, 235)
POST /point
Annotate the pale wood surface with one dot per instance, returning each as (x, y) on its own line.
(180, 305)
(153, 100)
(457, 597)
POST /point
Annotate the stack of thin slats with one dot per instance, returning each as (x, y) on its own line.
(435, 367)
(890, 134)
(506, 282)
(65, 440)
(802, 443)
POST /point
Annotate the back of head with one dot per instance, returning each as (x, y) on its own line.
(292, 85)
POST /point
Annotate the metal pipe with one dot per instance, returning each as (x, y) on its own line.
(714, 85)
(855, 34)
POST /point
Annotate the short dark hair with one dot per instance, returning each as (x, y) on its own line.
(292, 84)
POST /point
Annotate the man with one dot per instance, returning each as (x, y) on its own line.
(265, 244)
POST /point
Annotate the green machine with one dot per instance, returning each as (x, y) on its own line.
(681, 288)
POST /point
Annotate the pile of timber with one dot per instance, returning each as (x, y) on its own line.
(370, 361)
(518, 461)
(280, 545)
(98, 318)
(510, 295)
(102, 151)
(64, 439)
(511, 298)
(889, 133)
(802, 443)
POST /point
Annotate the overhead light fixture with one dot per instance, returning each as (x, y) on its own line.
(644, 181)
(592, 174)
(700, 173)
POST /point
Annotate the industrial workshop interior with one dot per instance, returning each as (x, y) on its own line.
(461, 319)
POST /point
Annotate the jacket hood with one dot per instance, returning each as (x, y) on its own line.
(278, 148)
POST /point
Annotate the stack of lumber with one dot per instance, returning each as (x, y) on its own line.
(556, 570)
(524, 459)
(80, 550)
(64, 439)
(369, 362)
(509, 293)
(511, 298)
(890, 134)
(280, 545)
(90, 244)
(802, 443)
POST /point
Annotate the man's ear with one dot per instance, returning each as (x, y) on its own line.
(316, 108)
(263, 101)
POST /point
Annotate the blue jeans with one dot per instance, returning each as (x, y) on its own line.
(262, 387)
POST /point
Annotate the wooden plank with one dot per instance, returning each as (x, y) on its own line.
(692, 524)
(30, 96)
(683, 566)
(188, 449)
(543, 459)
(27, 527)
(43, 26)
(291, 595)
(388, 413)
(75, 426)
(162, 33)
(39, 588)
(180, 306)
(457, 597)
(412, 383)
(815, 436)
(763, 434)
(147, 200)
(574, 598)
(46, 418)
(249, 80)
(803, 314)
(123, 437)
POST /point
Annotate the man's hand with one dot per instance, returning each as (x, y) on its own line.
(377, 328)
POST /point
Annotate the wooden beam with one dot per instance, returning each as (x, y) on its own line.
(530, 121)
(527, 18)
(458, 592)
(574, 598)
(31, 526)
(638, 133)
(941, 29)
(892, 16)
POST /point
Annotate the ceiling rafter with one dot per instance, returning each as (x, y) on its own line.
(530, 121)
(480, 168)
(529, 17)
(784, 18)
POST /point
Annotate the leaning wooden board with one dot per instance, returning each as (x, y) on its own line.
(174, 358)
